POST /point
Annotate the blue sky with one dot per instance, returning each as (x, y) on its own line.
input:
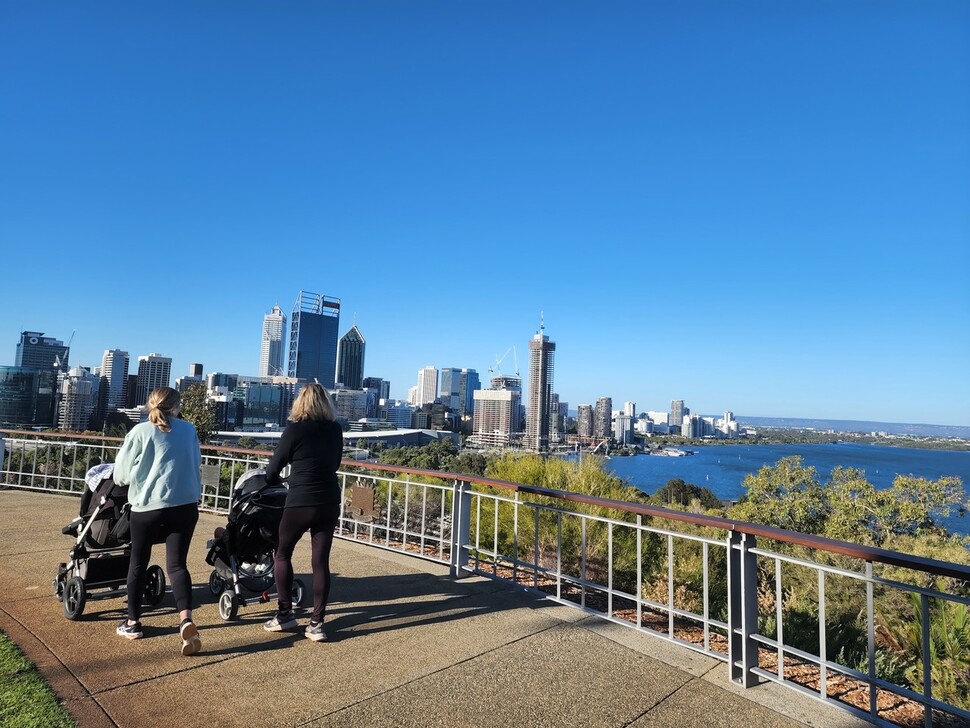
(754, 206)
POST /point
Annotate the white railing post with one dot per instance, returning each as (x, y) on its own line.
(460, 528)
(742, 608)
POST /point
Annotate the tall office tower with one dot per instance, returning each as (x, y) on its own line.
(26, 396)
(154, 371)
(448, 388)
(271, 353)
(380, 387)
(114, 368)
(496, 417)
(677, 412)
(542, 353)
(350, 359)
(623, 429)
(78, 399)
(313, 338)
(603, 417)
(584, 420)
(41, 352)
(468, 382)
(427, 385)
(195, 370)
(630, 409)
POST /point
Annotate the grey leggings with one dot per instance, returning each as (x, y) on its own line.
(173, 526)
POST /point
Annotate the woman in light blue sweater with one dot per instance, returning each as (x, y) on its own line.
(160, 463)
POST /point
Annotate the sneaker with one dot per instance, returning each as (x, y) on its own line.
(314, 631)
(280, 622)
(191, 642)
(128, 631)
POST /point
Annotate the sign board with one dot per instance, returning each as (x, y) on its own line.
(210, 476)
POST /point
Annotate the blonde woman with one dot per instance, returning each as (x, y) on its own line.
(160, 463)
(312, 445)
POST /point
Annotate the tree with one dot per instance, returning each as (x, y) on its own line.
(677, 492)
(197, 409)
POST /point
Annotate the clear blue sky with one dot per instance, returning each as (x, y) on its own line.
(754, 206)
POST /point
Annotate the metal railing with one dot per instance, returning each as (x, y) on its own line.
(709, 584)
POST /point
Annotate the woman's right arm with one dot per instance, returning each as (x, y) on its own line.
(280, 458)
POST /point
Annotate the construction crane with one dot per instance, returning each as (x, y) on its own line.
(500, 359)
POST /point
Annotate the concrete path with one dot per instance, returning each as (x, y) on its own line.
(409, 646)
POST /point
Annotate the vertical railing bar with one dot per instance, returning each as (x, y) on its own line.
(495, 540)
(478, 531)
(558, 554)
(871, 634)
(441, 522)
(387, 519)
(707, 600)
(582, 590)
(924, 608)
(404, 522)
(515, 539)
(424, 519)
(609, 569)
(779, 621)
(640, 571)
(822, 642)
(670, 586)
(535, 553)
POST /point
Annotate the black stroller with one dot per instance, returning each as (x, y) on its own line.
(242, 552)
(102, 547)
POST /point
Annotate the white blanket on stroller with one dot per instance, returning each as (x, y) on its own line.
(98, 473)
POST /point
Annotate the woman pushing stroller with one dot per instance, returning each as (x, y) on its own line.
(160, 462)
(312, 445)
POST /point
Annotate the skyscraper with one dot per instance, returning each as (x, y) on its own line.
(603, 417)
(677, 412)
(427, 385)
(350, 359)
(542, 354)
(154, 371)
(271, 352)
(114, 368)
(584, 420)
(41, 352)
(313, 338)
(78, 399)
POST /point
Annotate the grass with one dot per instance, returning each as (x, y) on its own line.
(26, 700)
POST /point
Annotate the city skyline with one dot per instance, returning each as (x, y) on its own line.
(758, 207)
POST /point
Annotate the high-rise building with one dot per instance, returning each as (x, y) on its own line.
(630, 409)
(584, 420)
(78, 400)
(26, 396)
(496, 417)
(154, 371)
(350, 359)
(41, 352)
(114, 368)
(542, 354)
(427, 386)
(195, 370)
(380, 387)
(313, 338)
(271, 351)
(603, 417)
(677, 412)
(468, 383)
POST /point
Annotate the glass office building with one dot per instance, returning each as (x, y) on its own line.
(313, 338)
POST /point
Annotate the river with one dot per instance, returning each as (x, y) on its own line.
(722, 467)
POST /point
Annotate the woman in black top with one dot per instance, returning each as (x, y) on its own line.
(312, 445)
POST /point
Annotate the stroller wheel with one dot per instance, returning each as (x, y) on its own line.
(216, 584)
(154, 585)
(75, 595)
(228, 605)
(59, 582)
(296, 595)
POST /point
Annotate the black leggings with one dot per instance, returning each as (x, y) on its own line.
(320, 521)
(173, 526)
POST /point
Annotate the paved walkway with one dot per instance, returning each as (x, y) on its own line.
(410, 646)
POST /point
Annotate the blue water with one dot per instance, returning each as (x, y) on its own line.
(722, 467)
